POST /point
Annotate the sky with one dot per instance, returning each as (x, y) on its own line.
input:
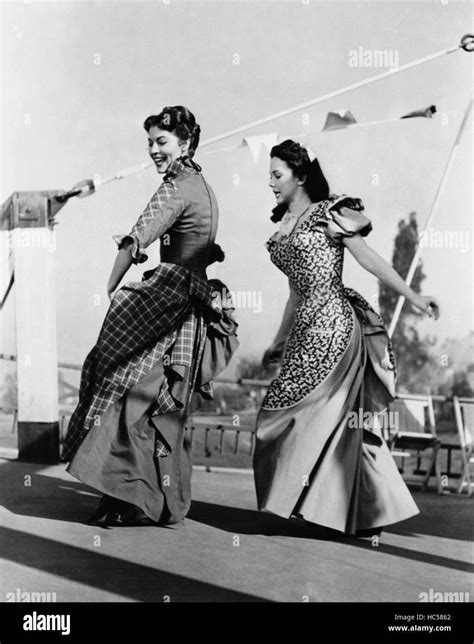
(81, 77)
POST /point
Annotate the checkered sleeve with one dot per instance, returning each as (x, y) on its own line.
(164, 208)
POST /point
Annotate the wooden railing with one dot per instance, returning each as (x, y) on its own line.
(231, 438)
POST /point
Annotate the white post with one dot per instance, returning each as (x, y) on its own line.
(29, 215)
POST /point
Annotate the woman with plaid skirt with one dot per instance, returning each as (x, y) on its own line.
(162, 339)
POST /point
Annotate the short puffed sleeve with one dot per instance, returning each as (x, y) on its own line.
(161, 212)
(344, 218)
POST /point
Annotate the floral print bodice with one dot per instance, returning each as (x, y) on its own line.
(312, 257)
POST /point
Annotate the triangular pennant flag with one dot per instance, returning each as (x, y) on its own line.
(426, 112)
(269, 140)
(255, 143)
(338, 120)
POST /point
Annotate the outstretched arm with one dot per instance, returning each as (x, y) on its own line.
(372, 262)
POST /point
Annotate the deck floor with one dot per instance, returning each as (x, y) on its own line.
(225, 551)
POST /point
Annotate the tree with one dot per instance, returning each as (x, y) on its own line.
(462, 385)
(412, 352)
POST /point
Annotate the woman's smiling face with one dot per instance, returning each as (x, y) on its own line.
(164, 147)
(283, 182)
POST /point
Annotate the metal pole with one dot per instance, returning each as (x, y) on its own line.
(87, 187)
(325, 97)
(416, 256)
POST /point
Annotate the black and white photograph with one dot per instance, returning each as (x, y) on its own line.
(236, 318)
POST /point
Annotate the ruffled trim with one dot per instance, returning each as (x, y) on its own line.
(215, 342)
(219, 346)
(380, 391)
(138, 255)
(215, 352)
(343, 217)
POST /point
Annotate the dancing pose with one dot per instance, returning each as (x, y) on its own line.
(336, 358)
(162, 339)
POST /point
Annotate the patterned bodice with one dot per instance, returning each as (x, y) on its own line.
(310, 260)
(312, 256)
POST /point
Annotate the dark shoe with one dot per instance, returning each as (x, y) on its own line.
(134, 516)
(109, 519)
(108, 512)
(106, 503)
(113, 512)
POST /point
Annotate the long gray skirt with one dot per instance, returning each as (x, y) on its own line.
(310, 462)
(118, 457)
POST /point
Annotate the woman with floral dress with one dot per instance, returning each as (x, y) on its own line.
(336, 358)
(162, 339)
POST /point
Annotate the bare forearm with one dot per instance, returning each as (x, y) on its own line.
(372, 262)
(389, 276)
(122, 263)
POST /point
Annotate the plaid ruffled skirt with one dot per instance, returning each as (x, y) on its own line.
(162, 339)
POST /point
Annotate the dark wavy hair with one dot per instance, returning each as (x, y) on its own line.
(297, 159)
(179, 120)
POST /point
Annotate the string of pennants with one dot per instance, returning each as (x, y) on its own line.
(337, 120)
(334, 121)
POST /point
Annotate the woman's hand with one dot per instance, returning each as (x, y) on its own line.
(122, 263)
(273, 354)
(110, 292)
(427, 304)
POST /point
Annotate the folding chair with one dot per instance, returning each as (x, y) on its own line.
(464, 415)
(416, 433)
